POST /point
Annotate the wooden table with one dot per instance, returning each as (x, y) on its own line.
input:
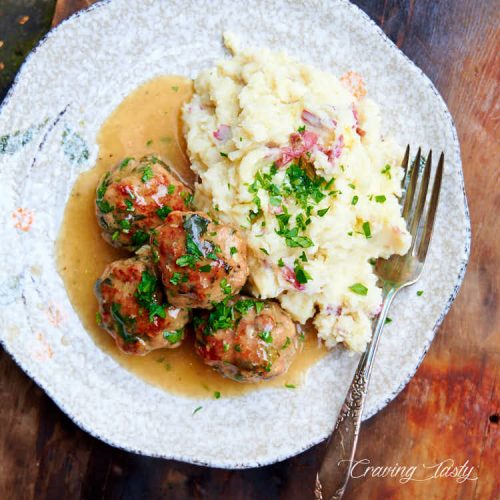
(450, 408)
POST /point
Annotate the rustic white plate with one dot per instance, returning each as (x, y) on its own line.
(48, 126)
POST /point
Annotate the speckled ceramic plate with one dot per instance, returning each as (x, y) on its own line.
(48, 127)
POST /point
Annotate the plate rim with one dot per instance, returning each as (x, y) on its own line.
(458, 280)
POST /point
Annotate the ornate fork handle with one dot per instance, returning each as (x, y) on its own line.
(333, 475)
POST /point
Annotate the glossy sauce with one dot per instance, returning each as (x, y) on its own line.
(147, 121)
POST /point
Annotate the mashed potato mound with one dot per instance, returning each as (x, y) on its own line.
(295, 157)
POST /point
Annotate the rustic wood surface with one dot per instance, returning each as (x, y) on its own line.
(450, 408)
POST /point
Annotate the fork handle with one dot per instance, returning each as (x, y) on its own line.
(334, 472)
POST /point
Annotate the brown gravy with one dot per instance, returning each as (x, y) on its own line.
(147, 121)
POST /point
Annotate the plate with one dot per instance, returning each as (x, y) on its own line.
(48, 125)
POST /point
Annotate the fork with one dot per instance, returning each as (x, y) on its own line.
(394, 274)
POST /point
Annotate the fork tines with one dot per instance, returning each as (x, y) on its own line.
(416, 182)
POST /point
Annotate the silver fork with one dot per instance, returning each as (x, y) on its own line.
(394, 274)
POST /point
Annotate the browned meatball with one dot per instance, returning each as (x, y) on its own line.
(201, 261)
(135, 197)
(132, 309)
(246, 339)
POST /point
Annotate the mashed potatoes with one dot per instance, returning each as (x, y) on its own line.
(295, 157)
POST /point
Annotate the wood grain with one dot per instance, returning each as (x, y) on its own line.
(449, 409)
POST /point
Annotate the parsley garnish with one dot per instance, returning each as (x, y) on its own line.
(280, 263)
(387, 171)
(388, 320)
(147, 174)
(290, 386)
(125, 162)
(122, 322)
(323, 211)
(223, 154)
(359, 288)
(420, 293)
(354, 200)
(263, 250)
(233, 250)
(174, 337)
(139, 238)
(225, 286)
(217, 395)
(301, 275)
(380, 198)
(196, 410)
(366, 230)
(187, 197)
(146, 296)
(176, 278)
(266, 337)
(163, 212)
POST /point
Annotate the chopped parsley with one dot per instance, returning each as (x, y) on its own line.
(125, 162)
(354, 200)
(139, 238)
(380, 198)
(233, 250)
(147, 297)
(366, 230)
(196, 410)
(266, 337)
(171, 189)
(420, 293)
(150, 141)
(122, 324)
(224, 155)
(176, 278)
(147, 174)
(225, 286)
(163, 212)
(301, 275)
(388, 320)
(205, 269)
(281, 263)
(301, 129)
(287, 343)
(187, 197)
(175, 336)
(359, 288)
(187, 261)
(387, 171)
(323, 211)
(103, 205)
(217, 395)
(263, 250)
(290, 386)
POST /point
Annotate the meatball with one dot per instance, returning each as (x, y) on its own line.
(132, 310)
(135, 197)
(246, 339)
(201, 261)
